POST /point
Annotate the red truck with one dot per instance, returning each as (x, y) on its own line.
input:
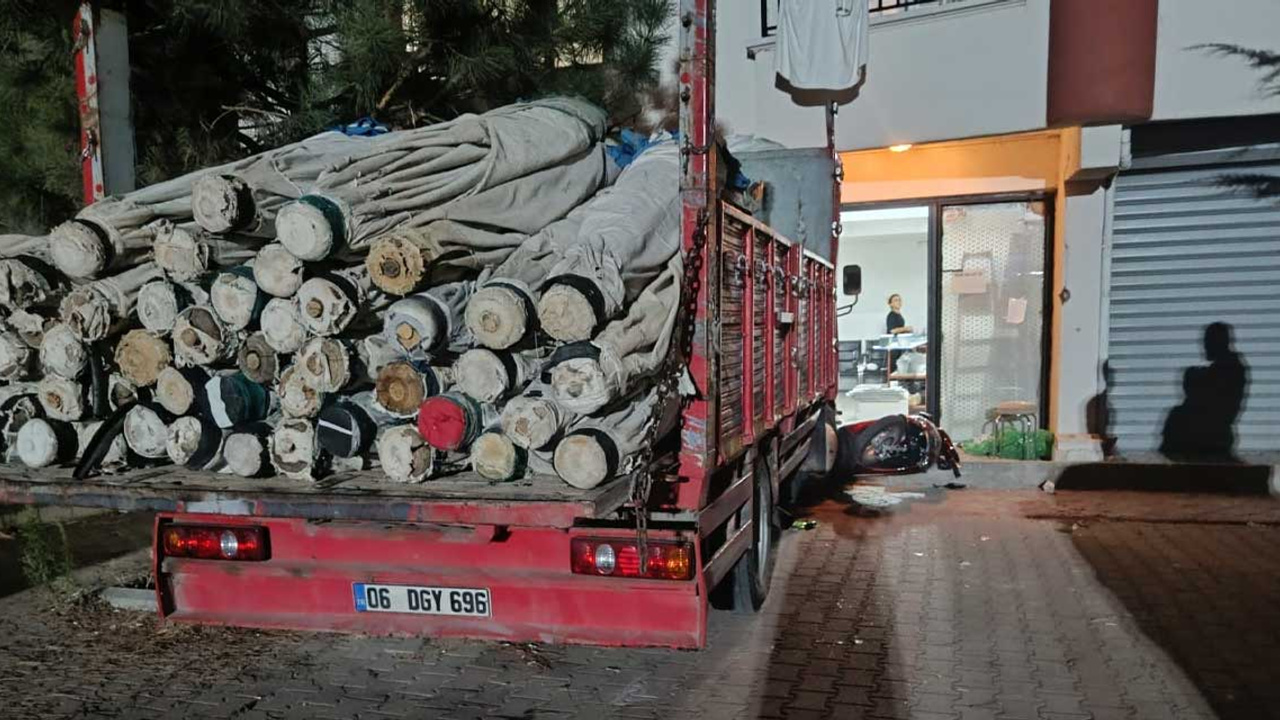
(538, 560)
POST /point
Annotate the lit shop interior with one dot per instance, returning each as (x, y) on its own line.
(951, 316)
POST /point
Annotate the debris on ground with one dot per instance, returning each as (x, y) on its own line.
(874, 496)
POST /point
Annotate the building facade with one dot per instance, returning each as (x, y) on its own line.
(1047, 186)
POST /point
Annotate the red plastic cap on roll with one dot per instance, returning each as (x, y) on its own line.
(442, 423)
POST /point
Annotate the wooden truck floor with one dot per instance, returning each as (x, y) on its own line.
(460, 498)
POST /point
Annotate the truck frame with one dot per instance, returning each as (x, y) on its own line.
(762, 361)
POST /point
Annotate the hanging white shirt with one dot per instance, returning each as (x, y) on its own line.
(822, 44)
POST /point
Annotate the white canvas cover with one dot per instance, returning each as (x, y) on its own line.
(440, 171)
(628, 233)
(626, 351)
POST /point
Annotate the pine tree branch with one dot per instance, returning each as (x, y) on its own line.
(1265, 60)
(1261, 187)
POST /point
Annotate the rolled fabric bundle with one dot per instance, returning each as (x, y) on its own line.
(236, 401)
(429, 322)
(160, 302)
(298, 399)
(196, 443)
(281, 327)
(88, 246)
(494, 457)
(600, 448)
(409, 173)
(328, 304)
(30, 326)
(200, 338)
(277, 271)
(533, 420)
(186, 253)
(245, 199)
(626, 240)
(403, 386)
(142, 356)
(122, 392)
(404, 455)
(180, 390)
(493, 375)
(27, 283)
(62, 399)
(17, 358)
(225, 203)
(62, 353)
(17, 245)
(373, 352)
(345, 429)
(452, 421)
(482, 230)
(248, 451)
(119, 231)
(146, 429)
(236, 298)
(117, 455)
(410, 259)
(295, 452)
(104, 307)
(325, 364)
(502, 312)
(42, 443)
(585, 377)
(258, 360)
(19, 403)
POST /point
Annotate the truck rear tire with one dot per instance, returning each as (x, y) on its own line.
(754, 570)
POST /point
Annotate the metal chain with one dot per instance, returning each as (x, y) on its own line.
(668, 384)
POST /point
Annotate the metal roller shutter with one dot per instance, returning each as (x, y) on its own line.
(1187, 252)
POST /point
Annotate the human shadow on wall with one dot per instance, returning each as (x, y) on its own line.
(1203, 425)
(1097, 412)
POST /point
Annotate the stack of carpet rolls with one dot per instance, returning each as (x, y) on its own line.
(495, 292)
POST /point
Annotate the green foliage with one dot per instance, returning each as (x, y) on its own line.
(1266, 62)
(39, 170)
(213, 80)
(1014, 445)
(45, 551)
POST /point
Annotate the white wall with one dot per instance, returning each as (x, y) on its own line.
(894, 259)
(974, 69)
(1079, 347)
(980, 67)
(1193, 83)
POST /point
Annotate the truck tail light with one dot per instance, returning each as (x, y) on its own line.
(621, 558)
(206, 542)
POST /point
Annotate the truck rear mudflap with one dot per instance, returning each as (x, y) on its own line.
(494, 582)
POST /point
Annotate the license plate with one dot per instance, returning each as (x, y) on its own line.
(422, 600)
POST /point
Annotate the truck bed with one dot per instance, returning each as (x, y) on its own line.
(463, 498)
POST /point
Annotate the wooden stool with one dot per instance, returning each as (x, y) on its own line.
(1021, 414)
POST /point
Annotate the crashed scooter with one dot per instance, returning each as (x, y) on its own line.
(894, 445)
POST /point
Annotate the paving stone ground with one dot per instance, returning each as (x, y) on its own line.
(963, 604)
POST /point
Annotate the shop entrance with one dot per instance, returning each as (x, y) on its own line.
(953, 311)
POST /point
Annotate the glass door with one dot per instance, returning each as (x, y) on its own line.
(988, 350)
(882, 334)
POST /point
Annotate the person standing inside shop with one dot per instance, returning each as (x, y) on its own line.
(895, 324)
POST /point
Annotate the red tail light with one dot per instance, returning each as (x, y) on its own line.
(215, 543)
(621, 558)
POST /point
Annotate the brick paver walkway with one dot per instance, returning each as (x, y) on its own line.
(969, 605)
